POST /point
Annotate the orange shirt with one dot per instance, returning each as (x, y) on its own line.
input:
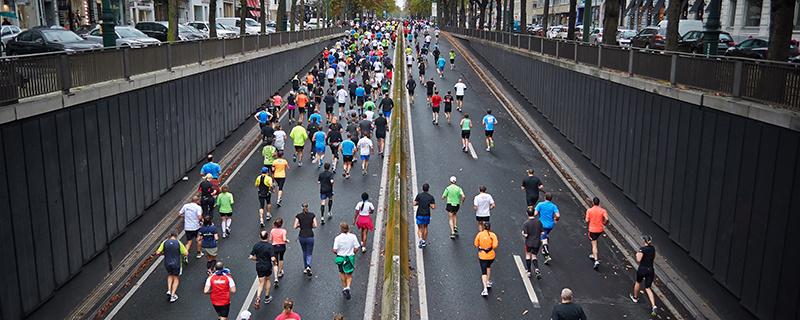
(278, 236)
(309, 79)
(302, 100)
(486, 240)
(279, 168)
(596, 216)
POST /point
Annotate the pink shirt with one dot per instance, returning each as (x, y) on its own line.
(277, 100)
(278, 236)
(290, 316)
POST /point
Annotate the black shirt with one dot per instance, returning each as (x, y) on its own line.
(387, 104)
(267, 131)
(263, 253)
(306, 221)
(649, 255)
(325, 182)
(365, 126)
(533, 228)
(424, 201)
(334, 138)
(411, 84)
(352, 128)
(429, 85)
(448, 100)
(380, 124)
(330, 100)
(531, 185)
(567, 311)
(206, 188)
(337, 127)
(263, 189)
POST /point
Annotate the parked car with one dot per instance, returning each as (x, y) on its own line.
(48, 39)
(535, 29)
(684, 26)
(251, 26)
(755, 48)
(596, 36)
(6, 34)
(649, 38)
(158, 30)
(84, 29)
(692, 41)
(624, 37)
(222, 30)
(559, 32)
(127, 36)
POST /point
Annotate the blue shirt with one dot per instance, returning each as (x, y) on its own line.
(339, 81)
(547, 211)
(319, 139)
(441, 63)
(360, 92)
(331, 58)
(315, 117)
(379, 35)
(208, 232)
(212, 168)
(347, 147)
(263, 116)
(489, 121)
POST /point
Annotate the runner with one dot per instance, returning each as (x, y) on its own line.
(460, 88)
(330, 101)
(365, 126)
(567, 310)
(341, 98)
(645, 273)
(264, 257)
(430, 87)
(363, 219)
(306, 222)
(279, 240)
(280, 138)
(360, 94)
(453, 196)
(345, 246)
(387, 104)
(334, 140)
(424, 202)
(448, 106)
(224, 206)
(548, 214)
(277, 103)
(208, 192)
(597, 218)
(263, 117)
(318, 140)
(532, 232)
(192, 214)
(347, 148)
(381, 125)
(452, 59)
(410, 86)
(264, 184)
(325, 181)
(220, 286)
(466, 127)
(174, 253)
(291, 104)
(281, 167)
(483, 203)
(364, 150)
(486, 242)
(421, 68)
(210, 167)
(532, 186)
(440, 64)
(208, 237)
(287, 313)
(488, 122)
(436, 102)
(299, 135)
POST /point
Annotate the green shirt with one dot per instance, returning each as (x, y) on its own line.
(225, 202)
(453, 194)
(465, 124)
(299, 136)
(452, 55)
(369, 105)
(269, 154)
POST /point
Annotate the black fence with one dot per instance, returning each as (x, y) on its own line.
(767, 82)
(31, 75)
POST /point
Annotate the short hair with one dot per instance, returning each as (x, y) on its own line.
(344, 227)
(327, 166)
(173, 235)
(548, 196)
(210, 157)
(566, 294)
(596, 201)
(264, 234)
(482, 188)
(426, 187)
(489, 111)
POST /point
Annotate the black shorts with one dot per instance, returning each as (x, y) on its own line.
(460, 98)
(452, 61)
(452, 208)
(280, 182)
(429, 94)
(347, 158)
(223, 311)
(279, 250)
(532, 250)
(265, 200)
(191, 235)
(645, 276)
(594, 235)
(488, 133)
(341, 104)
(448, 108)
(435, 109)
(485, 265)
(531, 200)
(264, 272)
(360, 101)
(301, 110)
(465, 134)
(329, 109)
(226, 214)
(380, 134)
(173, 269)
(481, 219)
(299, 148)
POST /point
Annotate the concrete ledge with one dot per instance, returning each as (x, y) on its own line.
(745, 108)
(40, 104)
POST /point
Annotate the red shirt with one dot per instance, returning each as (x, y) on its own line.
(291, 316)
(220, 285)
(436, 100)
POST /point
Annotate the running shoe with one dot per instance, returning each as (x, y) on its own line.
(491, 143)
(635, 300)
(228, 231)
(294, 158)
(591, 256)
(199, 255)
(653, 311)
(262, 224)
(547, 259)
(485, 293)
(455, 229)
(169, 293)
(280, 203)
(300, 164)
(363, 249)
(173, 298)
(488, 149)
(419, 245)
(347, 294)
(276, 283)
(529, 274)
(330, 215)
(538, 274)
(596, 265)
(267, 299)
(489, 284)
(185, 261)
(323, 221)
(269, 217)
(452, 236)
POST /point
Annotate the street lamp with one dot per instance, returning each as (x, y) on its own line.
(711, 38)
(109, 35)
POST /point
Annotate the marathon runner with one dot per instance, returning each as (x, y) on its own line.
(280, 138)
(460, 88)
(299, 135)
(532, 186)
(440, 64)
(306, 222)
(448, 105)
(325, 181)
(548, 215)
(596, 218)
(192, 215)
(486, 241)
(174, 253)
(208, 237)
(365, 150)
(281, 167)
(279, 240)
(264, 258)
(532, 232)
(224, 206)
(334, 140)
(363, 219)
(483, 203)
(466, 126)
(424, 202)
(381, 124)
(345, 246)
(318, 140)
(219, 285)
(489, 121)
(410, 86)
(452, 55)
(436, 101)
(645, 273)
(264, 184)
(453, 196)
(347, 148)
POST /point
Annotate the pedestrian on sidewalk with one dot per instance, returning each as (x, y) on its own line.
(532, 185)
(279, 241)
(363, 219)
(299, 135)
(224, 205)
(453, 196)
(596, 218)
(483, 203)
(208, 237)
(548, 214)
(220, 286)
(645, 273)
(424, 202)
(567, 310)
(345, 246)
(466, 127)
(288, 313)
(486, 242)
(532, 232)
(192, 215)
(263, 255)
(174, 253)
(306, 222)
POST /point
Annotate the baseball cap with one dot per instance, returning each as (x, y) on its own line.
(264, 169)
(452, 179)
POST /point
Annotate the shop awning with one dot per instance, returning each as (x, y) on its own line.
(255, 13)
(8, 14)
(253, 4)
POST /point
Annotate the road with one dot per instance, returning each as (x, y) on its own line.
(316, 298)
(450, 266)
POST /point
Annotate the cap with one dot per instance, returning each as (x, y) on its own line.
(453, 179)
(647, 238)
(264, 169)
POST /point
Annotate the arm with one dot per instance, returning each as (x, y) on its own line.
(207, 288)
(184, 252)
(491, 206)
(160, 249)
(296, 224)
(639, 256)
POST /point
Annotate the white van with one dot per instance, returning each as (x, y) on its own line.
(251, 26)
(684, 26)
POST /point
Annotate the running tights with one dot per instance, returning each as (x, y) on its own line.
(307, 244)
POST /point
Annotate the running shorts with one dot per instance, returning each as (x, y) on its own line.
(325, 195)
(460, 98)
(482, 219)
(452, 61)
(387, 114)
(531, 200)
(485, 265)
(645, 276)
(341, 104)
(452, 208)
(319, 150)
(347, 158)
(223, 311)
(335, 151)
(594, 235)
(279, 250)
(329, 109)
(532, 250)
(280, 182)
(211, 251)
(448, 108)
(465, 134)
(173, 269)
(546, 233)
(264, 272)
(265, 200)
(435, 109)
(365, 157)
(299, 148)
(191, 235)
(301, 110)
(429, 94)
(226, 214)
(380, 134)
(360, 101)
(423, 220)
(488, 133)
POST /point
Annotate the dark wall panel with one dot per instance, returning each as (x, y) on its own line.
(723, 187)
(76, 177)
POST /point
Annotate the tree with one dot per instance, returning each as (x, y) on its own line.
(545, 15)
(280, 18)
(510, 16)
(461, 14)
(212, 18)
(498, 25)
(172, 20)
(571, 23)
(780, 29)
(301, 14)
(523, 15)
(610, 21)
(673, 18)
(293, 14)
(262, 18)
(242, 17)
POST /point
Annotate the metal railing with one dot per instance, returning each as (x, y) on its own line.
(768, 82)
(31, 75)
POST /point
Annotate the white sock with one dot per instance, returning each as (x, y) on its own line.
(229, 223)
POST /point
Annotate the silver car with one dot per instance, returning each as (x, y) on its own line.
(8, 33)
(222, 30)
(126, 37)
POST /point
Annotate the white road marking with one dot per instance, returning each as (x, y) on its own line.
(472, 151)
(250, 296)
(526, 281)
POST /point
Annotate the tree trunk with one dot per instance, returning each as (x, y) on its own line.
(280, 16)
(242, 16)
(610, 20)
(498, 25)
(453, 17)
(780, 30)
(490, 15)
(546, 16)
(483, 15)
(461, 15)
(673, 17)
(262, 18)
(571, 22)
(293, 14)
(301, 13)
(172, 12)
(212, 18)
(510, 16)
(523, 16)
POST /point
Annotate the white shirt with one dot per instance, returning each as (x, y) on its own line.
(345, 244)
(377, 65)
(191, 216)
(342, 95)
(409, 59)
(428, 38)
(378, 77)
(364, 208)
(484, 202)
(280, 139)
(330, 73)
(370, 114)
(365, 146)
(342, 66)
(460, 88)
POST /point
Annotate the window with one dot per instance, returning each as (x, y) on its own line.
(6, 31)
(25, 36)
(752, 16)
(96, 32)
(797, 15)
